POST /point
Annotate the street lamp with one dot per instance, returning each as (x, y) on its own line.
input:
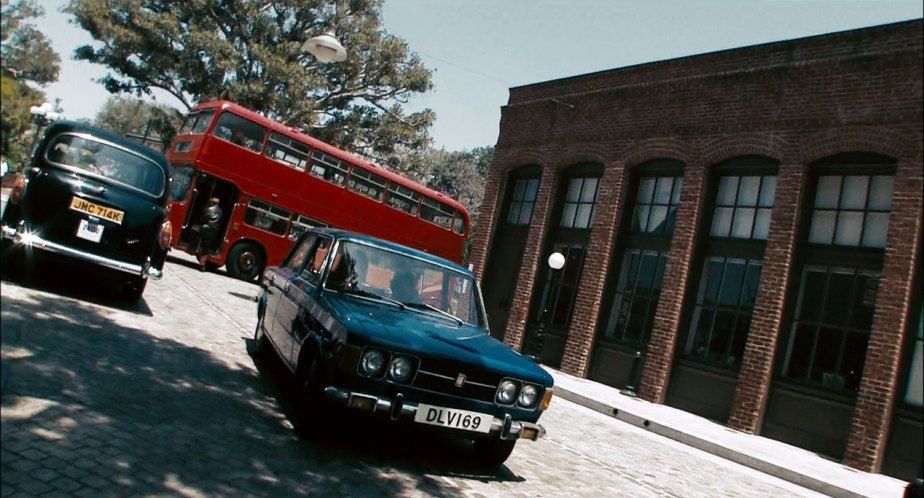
(42, 115)
(556, 262)
(325, 48)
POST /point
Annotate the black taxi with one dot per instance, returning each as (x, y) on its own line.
(94, 198)
(378, 328)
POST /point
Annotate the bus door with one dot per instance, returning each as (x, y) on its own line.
(206, 187)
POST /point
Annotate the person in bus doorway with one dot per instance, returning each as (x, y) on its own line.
(208, 231)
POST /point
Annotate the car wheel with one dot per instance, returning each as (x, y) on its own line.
(258, 345)
(493, 452)
(309, 414)
(245, 261)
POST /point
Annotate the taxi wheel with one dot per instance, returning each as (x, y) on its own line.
(493, 452)
(257, 346)
(245, 261)
(134, 289)
(309, 419)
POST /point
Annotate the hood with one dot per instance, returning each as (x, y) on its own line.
(429, 334)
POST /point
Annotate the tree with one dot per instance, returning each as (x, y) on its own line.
(138, 118)
(27, 57)
(250, 52)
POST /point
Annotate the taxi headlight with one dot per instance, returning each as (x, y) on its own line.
(528, 397)
(372, 363)
(506, 392)
(400, 368)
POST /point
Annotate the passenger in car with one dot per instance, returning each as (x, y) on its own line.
(404, 287)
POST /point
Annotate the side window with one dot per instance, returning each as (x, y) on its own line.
(367, 183)
(436, 212)
(312, 271)
(299, 254)
(403, 198)
(328, 168)
(240, 131)
(301, 223)
(266, 216)
(287, 151)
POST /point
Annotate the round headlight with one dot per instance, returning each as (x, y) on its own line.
(506, 392)
(529, 395)
(400, 368)
(372, 363)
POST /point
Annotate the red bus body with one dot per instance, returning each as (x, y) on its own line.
(272, 181)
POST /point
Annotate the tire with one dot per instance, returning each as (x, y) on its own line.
(134, 289)
(258, 345)
(245, 261)
(492, 453)
(309, 413)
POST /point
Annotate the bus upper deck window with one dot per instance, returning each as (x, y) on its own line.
(203, 119)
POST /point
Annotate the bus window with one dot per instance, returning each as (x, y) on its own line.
(240, 131)
(459, 224)
(301, 223)
(180, 180)
(403, 198)
(266, 216)
(436, 212)
(367, 183)
(285, 150)
(197, 122)
(328, 167)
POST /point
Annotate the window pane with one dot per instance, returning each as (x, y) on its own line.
(526, 213)
(574, 190)
(728, 188)
(822, 231)
(646, 190)
(721, 222)
(744, 220)
(750, 187)
(567, 215)
(750, 285)
(519, 190)
(658, 217)
(849, 225)
(700, 341)
(713, 276)
(514, 213)
(812, 295)
(675, 194)
(646, 274)
(589, 192)
(640, 223)
(663, 192)
(914, 394)
(829, 188)
(767, 191)
(800, 351)
(880, 193)
(583, 219)
(761, 224)
(853, 359)
(875, 230)
(863, 303)
(838, 298)
(532, 187)
(824, 363)
(854, 192)
(731, 284)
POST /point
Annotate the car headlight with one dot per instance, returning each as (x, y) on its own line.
(372, 363)
(400, 368)
(506, 392)
(529, 395)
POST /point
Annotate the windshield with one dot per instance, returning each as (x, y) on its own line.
(88, 154)
(422, 285)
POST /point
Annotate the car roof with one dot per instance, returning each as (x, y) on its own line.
(120, 140)
(341, 234)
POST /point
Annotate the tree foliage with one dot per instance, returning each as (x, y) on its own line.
(250, 52)
(153, 122)
(27, 60)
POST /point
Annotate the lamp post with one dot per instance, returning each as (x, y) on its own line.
(325, 48)
(556, 262)
(42, 115)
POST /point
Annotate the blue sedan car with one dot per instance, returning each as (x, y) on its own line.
(375, 327)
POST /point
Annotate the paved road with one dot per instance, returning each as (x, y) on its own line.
(160, 398)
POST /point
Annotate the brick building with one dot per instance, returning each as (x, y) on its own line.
(741, 232)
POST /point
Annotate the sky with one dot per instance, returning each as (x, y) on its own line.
(479, 49)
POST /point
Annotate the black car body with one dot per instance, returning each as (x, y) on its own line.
(92, 197)
(397, 333)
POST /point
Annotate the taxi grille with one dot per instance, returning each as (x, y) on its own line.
(441, 378)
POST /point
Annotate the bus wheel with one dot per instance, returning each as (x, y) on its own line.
(245, 261)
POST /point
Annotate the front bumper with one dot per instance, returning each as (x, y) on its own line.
(398, 409)
(30, 240)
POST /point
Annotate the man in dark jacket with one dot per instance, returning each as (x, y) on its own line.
(208, 231)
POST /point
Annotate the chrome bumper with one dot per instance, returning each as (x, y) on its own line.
(30, 240)
(398, 409)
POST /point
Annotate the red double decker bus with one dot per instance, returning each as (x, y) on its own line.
(273, 182)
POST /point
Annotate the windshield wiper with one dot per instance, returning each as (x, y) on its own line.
(373, 295)
(437, 310)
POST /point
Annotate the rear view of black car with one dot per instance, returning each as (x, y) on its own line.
(95, 198)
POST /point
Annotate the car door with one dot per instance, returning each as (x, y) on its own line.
(279, 279)
(301, 279)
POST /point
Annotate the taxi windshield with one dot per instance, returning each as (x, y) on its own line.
(417, 283)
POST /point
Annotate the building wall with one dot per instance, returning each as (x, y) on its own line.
(795, 101)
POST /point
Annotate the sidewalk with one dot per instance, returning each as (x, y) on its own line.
(772, 457)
